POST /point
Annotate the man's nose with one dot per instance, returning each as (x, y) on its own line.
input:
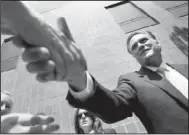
(141, 46)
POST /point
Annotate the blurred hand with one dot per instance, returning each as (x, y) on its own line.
(5, 27)
(51, 54)
(27, 123)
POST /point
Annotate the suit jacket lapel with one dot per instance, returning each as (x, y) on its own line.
(157, 80)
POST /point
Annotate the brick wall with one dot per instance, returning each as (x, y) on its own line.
(102, 41)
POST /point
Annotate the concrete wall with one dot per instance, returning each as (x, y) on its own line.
(103, 43)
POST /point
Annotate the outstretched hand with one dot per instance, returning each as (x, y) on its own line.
(51, 54)
(27, 123)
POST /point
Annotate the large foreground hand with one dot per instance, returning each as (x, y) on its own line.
(50, 53)
(27, 123)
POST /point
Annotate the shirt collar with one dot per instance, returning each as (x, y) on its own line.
(162, 65)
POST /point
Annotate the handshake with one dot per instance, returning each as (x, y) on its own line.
(51, 54)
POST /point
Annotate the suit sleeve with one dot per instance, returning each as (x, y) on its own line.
(109, 105)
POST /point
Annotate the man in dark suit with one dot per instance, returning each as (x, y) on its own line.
(157, 93)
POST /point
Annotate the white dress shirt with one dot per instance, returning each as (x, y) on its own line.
(174, 77)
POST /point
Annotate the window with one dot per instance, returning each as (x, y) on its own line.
(177, 8)
(9, 55)
(130, 17)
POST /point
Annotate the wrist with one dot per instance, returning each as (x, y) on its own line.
(79, 83)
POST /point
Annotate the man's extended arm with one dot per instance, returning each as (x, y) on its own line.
(109, 105)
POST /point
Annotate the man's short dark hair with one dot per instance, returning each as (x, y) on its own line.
(138, 32)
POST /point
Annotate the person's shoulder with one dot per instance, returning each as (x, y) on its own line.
(129, 76)
(109, 130)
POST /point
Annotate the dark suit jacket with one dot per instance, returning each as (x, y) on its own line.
(157, 103)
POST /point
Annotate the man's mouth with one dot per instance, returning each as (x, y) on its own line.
(144, 51)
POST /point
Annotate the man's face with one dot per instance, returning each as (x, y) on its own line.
(144, 48)
(6, 104)
(85, 120)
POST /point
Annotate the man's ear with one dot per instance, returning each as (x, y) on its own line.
(62, 25)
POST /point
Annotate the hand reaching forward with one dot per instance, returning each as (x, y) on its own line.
(27, 123)
(50, 53)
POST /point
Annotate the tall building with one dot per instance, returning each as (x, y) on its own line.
(100, 29)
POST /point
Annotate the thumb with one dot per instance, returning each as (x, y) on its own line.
(62, 25)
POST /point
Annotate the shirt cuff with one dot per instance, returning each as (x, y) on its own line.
(88, 91)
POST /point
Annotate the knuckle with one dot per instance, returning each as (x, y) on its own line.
(50, 64)
(42, 53)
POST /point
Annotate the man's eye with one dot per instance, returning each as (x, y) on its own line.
(7, 106)
(143, 41)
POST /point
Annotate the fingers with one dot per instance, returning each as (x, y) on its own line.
(48, 76)
(32, 52)
(38, 59)
(41, 66)
(41, 120)
(35, 54)
(62, 25)
(27, 123)
(29, 119)
(33, 129)
(41, 128)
